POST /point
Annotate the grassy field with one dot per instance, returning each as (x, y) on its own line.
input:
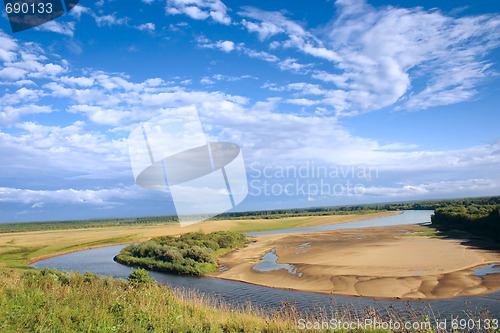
(17, 249)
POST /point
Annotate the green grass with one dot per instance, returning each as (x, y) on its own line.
(427, 231)
(53, 301)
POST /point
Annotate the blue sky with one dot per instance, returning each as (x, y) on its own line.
(397, 100)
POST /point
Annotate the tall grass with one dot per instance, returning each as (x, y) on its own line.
(53, 301)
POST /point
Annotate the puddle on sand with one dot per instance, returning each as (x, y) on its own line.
(269, 263)
(222, 268)
(490, 269)
(299, 252)
(302, 246)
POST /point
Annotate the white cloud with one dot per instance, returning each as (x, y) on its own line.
(12, 73)
(293, 65)
(384, 49)
(22, 60)
(63, 28)
(306, 88)
(70, 150)
(263, 29)
(262, 55)
(78, 81)
(67, 196)
(8, 46)
(199, 9)
(100, 115)
(302, 101)
(146, 27)
(77, 11)
(223, 45)
(22, 95)
(109, 20)
(226, 45)
(10, 115)
(377, 54)
(449, 189)
(101, 20)
(272, 23)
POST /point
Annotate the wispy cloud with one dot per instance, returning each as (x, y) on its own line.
(200, 9)
(376, 54)
(63, 28)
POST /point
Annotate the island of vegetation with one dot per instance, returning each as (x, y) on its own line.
(193, 253)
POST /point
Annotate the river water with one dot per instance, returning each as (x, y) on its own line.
(236, 293)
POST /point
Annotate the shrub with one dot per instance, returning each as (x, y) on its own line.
(139, 277)
(190, 254)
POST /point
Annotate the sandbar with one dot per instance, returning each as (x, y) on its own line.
(378, 262)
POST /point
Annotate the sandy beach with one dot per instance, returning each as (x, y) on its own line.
(382, 262)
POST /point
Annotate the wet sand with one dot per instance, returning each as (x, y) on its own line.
(382, 262)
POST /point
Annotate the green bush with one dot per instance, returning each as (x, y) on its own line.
(139, 277)
(193, 253)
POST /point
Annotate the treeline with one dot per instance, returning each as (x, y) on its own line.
(84, 224)
(356, 209)
(476, 219)
(192, 253)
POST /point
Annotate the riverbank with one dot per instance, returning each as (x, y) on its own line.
(17, 250)
(382, 262)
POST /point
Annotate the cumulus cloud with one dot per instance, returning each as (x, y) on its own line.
(10, 115)
(226, 45)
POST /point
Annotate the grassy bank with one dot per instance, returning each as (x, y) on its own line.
(53, 301)
(192, 253)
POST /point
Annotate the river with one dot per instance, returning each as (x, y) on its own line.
(100, 261)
